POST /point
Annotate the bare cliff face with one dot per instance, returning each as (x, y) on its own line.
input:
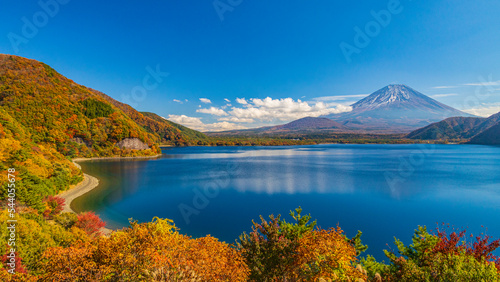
(132, 143)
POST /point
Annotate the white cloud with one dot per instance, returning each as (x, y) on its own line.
(444, 87)
(227, 100)
(212, 111)
(485, 111)
(484, 83)
(197, 124)
(205, 100)
(258, 112)
(287, 109)
(444, 95)
(177, 101)
(223, 126)
(340, 97)
(190, 122)
(241, 101)
(235, 119)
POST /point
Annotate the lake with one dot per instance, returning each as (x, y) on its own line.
(385, 191)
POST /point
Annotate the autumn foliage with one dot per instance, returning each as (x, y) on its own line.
(152, 251)
(54, 206)
(19, 267)
(90, 223)
(325, 254)
(480, 247)
(441, 256)
(276, 250)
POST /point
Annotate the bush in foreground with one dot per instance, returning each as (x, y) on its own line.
(274, 251)
(440, 257)
(279, 251)
(152, 251)
(90, 223)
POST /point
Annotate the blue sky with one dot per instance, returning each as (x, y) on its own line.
(255, 63)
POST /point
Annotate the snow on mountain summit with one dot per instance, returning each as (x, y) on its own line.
(394, 94)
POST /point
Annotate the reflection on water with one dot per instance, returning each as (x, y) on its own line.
(383, 190)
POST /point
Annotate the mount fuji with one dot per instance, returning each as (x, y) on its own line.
(395, 109)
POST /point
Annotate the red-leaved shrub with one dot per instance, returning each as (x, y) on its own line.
(90, 223)
(54, 206)
(453, 243)
(19, 267)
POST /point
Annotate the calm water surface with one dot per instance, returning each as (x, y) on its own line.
(386, 191)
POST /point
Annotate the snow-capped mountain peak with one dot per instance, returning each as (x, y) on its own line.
(396, 106)
(395, 93)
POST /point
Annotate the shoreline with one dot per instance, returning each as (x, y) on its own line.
(111, 158)
(89, 183)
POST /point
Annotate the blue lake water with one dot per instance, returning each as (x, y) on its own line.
(385, 191)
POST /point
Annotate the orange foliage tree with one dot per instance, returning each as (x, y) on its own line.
(325, 254)
(152, 251)
(279, 251)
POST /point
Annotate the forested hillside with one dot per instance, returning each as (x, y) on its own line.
(45, 119)
(40, 170)
(165, 131)
(461, 129)
(62, 114)
(188, 133)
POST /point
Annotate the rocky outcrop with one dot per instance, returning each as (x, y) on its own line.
(132, 143)
(81, 141)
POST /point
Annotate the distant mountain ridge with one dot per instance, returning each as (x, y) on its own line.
(490, 136)
(478, 130)
(448, 129)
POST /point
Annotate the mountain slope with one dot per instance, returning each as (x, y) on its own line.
(166, 132)
(40, 170)
(395, 108)
(489, 122)
(400, 96)
(490, 136)
(450, 128)
(60, 113)
(190, 134)
(457, 128)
